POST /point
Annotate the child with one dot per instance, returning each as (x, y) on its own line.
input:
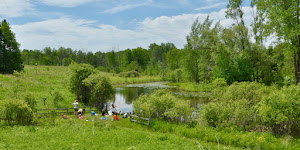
(80, 111)
(64, 116)
(116, 117)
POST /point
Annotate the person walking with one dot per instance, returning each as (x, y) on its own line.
(75, 104)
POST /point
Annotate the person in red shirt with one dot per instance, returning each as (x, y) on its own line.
(116, 116)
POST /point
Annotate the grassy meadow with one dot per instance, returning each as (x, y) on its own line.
(53, 132)
(97, 134)
(44, 81)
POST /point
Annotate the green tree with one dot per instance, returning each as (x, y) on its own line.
(284, 21)
(79, 72)
(201, 43)
(111, 60)
(100, 87)
(10, 55)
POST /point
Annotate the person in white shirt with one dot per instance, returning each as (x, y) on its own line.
(113, 108)
(75, 104)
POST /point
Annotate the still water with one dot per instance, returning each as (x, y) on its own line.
(125, 96)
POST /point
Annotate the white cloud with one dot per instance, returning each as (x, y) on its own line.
(91, 36)
(65, 3)
(122, 8)
(15, 8)
(217, 5)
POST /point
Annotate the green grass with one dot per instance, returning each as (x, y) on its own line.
(230, 136)
(106, 134)
(44, 80)
(193, 87)
(97, 134)
(100, 134)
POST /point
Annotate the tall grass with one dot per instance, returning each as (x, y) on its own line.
(97, 134)
(228, 136)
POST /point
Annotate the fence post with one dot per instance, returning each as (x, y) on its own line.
(149, 122)
(67, 110)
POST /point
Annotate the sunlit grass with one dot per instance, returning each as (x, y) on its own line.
(193, 87)
(41, 81)
(97, 134)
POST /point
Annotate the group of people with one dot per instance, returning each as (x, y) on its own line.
(113, 111)
(78, 111)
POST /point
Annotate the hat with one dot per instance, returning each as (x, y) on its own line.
(76, 101)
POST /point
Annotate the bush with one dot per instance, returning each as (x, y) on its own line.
(17, 112)
(235, 105)
(280, 110)
(129, 74)
(31, 102)
(162, 103)
(56, 97)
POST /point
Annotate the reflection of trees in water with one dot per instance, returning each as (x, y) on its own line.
(196, 102)
(127, 95)
(132, 94)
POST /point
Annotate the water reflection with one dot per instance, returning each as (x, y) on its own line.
(125, 96)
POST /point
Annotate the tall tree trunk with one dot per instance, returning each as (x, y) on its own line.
(297, 62)
(296, 67)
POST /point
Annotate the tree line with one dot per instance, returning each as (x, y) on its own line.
(212, 51)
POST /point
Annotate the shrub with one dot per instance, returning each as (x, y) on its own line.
(280, 110)
(162, 103)
(56, 97)
(235, 105)
(31, 102)
(17, 112)
(129, 74)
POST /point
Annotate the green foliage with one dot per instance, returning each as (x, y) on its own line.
(56, 97)
(31, 102)
(280, 110)
(229, 136)
(129, 74)
(79, 72)
(235, 106)
(162, 103)
(100, 88)
(10, 56)
(17, 112)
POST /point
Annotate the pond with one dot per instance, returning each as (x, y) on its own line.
(125, 96)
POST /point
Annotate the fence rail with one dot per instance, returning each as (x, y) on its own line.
(141, 122)
(68, 110)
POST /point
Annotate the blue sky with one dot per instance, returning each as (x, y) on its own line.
(105, 25)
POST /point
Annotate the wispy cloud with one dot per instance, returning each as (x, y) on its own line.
(65, 3)
(15, 8)
(91, 36)
(212, 6)
(121, 8)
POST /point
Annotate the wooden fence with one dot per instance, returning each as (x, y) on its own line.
(142, 118)
(64, 110)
